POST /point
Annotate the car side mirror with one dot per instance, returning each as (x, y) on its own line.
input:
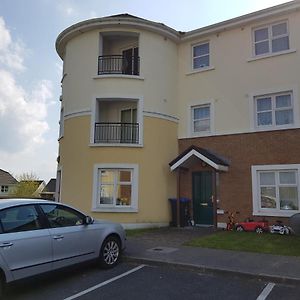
(89, 220)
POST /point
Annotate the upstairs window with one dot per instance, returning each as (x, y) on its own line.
(201, 56)
(271, 39)
(274, 110)
(201, 119)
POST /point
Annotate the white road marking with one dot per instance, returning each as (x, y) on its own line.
(266, 291)
(104, 283)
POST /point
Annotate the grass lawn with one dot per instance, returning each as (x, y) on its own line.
(251, 242)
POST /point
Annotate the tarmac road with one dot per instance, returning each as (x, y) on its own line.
(136, 281)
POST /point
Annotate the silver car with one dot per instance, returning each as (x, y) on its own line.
(37, 236)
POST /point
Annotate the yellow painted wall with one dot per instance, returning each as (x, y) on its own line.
(156, 182)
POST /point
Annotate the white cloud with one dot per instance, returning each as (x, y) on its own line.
(11, 53)
(23, 114)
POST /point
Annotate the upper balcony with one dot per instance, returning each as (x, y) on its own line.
(117, 122)
(119, 54)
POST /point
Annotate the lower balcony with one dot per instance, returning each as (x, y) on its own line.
(116, 133)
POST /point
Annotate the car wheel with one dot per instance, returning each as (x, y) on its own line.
(110, 252)
(259, 230)
(239, 228)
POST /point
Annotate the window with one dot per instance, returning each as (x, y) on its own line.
(201, 56)
(271, 39)
(276, 189)
(274, 110)
(201, 119)
(21, 218)
(59, 216)
(4, 189)
(61, 123)
(116, 188)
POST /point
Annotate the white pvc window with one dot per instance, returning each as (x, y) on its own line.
(201, 118)
(278, 190)
(4, 189)
(201, 56)
(275, 190)
(274, 110)
(271, 39)
(115, 188)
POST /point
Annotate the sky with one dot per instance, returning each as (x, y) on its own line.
(30, 69)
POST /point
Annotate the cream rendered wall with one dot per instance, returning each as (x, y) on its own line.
(157, 82)
(156, 183)
(235, 76)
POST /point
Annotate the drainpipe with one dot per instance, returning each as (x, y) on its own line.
(178, 197)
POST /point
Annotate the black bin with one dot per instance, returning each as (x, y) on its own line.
(184, 211)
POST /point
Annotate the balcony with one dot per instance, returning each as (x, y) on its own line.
(118, 64)
(116, 133)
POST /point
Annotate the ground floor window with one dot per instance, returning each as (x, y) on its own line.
(4, 189)
(275, 189)
(115, 187)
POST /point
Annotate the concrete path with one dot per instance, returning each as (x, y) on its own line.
(165, 246)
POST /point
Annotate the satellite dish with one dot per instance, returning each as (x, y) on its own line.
(295, 223)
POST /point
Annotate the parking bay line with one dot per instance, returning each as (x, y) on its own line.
(266, 291)
(104, 283)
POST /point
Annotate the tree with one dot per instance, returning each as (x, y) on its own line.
(26, 186)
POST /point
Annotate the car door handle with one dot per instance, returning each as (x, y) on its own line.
(58, 237)
(8, 244)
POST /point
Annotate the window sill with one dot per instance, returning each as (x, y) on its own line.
(137, 77)
(261, 129)
(200, 70)
(268, 213)
(258, 57)
(115, 209)
(116, 145)
(201, 134)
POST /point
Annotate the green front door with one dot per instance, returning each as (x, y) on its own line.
(202, 198)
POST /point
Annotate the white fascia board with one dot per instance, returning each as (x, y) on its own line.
(202, 157)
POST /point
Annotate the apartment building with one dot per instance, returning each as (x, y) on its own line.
(149, 113)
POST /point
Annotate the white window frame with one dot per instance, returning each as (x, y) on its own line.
(256, 199)
(209, 56)
(97, 207)
(61, 123)
(270, 38)
(190, 118)
(4, 189)
(274, 109)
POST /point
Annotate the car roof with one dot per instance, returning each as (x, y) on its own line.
(5, 203)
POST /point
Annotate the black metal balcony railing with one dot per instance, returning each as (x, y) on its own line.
(117, 133)
(118, 64)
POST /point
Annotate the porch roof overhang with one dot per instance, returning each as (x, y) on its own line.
(206, 156)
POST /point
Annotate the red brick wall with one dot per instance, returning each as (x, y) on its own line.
(242, 151)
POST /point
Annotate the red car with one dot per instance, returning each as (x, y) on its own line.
(258, 227)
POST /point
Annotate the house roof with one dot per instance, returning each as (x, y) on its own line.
(50, 187)
(117, 21)
(205, 155)
(6, 178)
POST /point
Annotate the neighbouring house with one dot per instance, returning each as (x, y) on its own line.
(149, 113)
(7, 183)
(49, 190)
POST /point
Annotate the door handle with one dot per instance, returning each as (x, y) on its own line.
(58, 237)
(204, 204)
(8, 244)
